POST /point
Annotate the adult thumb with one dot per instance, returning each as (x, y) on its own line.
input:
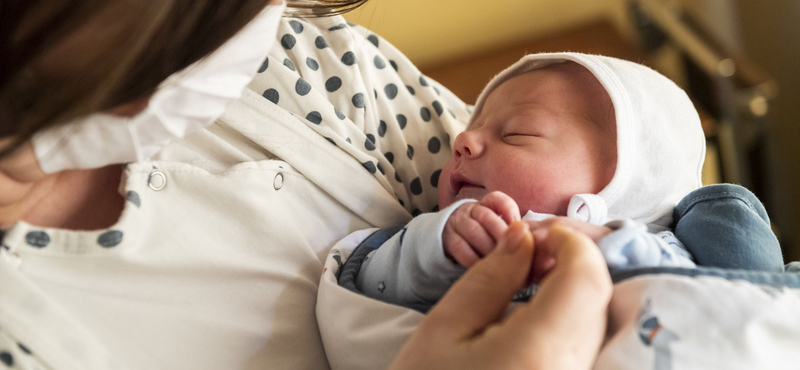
(482, 295)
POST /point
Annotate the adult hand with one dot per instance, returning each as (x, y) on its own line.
(561, 328)
(544, 263)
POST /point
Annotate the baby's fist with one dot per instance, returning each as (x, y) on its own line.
(473, 229)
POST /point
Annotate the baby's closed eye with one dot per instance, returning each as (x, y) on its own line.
(521, 137)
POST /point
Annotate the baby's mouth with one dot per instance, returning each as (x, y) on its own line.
(463, 188)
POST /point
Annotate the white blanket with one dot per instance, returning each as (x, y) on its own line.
(655, 322)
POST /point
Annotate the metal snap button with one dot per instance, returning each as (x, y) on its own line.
(278, 182)
(157, 180)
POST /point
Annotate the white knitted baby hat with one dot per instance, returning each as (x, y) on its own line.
(660, 142)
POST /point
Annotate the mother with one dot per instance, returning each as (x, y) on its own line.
(209, 256)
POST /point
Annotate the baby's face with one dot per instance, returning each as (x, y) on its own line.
(541, 138)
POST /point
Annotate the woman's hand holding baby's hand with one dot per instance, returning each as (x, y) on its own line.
(543, 264)
(472, 231)
(561, 328)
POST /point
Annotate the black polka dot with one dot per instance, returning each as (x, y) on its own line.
(379, 63)
(288, 63)
(288, 41)
(320, 43)
(434, 145)
(451, 113)
(401, 120)
(370, 142)
(7, 359)
(394, 65)
(380, 168)
(331, 141)
(425, 113)
(397, 177)
(38, 239)
(296, 26)
(110, 239)
(389, 156)
(416, 186)
(348, 140)
(391, 91)
(382, 128)
(416, 212)
(351, 24)
(311, 63)
(435, 208)
(302, 87)
(423, 81)
(272, 95)
(438, 108)
(23, 348)
(314, 117)
(436, 90)
(264, 66)
(339, 114)
(349, 58)
(410, 152)
(133, 197)
(400, 200)
(333, 84)
(370, 167)
(435, 178)
(358, 100)
(373, 39)
(375, 92)
(337, 27)
(410, 90)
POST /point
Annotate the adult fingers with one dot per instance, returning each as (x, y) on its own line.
(481, 296)
(595, 232)
(502, 204)
(577, 260)
(570, 304)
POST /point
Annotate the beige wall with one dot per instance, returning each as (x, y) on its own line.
(430, 32)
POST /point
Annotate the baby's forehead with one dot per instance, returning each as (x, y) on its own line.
(563, 88)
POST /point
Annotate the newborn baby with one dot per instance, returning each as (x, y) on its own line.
(609, 144)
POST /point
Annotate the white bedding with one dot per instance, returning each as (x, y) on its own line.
(655, 322)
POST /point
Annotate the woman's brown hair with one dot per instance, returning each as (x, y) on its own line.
(63, 59)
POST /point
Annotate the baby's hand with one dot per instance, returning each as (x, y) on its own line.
(473, 229)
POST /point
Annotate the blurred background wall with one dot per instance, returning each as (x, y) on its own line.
(463, 43)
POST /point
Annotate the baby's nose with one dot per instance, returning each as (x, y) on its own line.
(467, 145)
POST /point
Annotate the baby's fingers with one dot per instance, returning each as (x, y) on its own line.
(503, 205)
(460, 250)
(489, 221)
(473, 233)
